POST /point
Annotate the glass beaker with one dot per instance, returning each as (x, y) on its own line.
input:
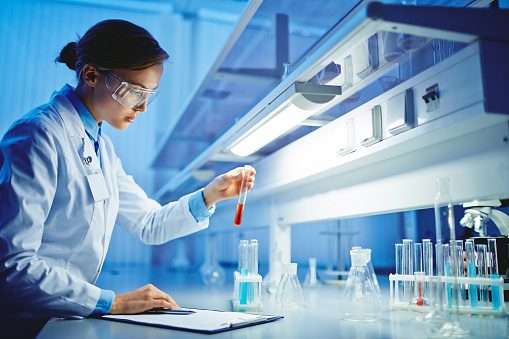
(289, 292)
(360, 302)
(311, 276)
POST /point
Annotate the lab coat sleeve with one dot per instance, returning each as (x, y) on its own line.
(146, 219)
(28, 179)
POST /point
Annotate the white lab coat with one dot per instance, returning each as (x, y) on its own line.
(53, 234)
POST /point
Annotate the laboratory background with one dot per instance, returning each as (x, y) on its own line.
(319, 190)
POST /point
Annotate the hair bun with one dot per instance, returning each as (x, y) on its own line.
(68, 55)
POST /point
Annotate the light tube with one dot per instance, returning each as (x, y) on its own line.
(288, 118)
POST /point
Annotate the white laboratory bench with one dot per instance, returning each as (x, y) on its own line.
(319, 319)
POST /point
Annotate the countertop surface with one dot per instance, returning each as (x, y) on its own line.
(319, 319)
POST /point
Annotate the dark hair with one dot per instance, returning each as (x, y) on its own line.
(114, 44)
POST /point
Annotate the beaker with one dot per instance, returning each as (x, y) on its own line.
(248, 171)
(289, 292)
(360, 302)
(311, 276)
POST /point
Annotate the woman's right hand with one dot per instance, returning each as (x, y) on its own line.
(141, 300)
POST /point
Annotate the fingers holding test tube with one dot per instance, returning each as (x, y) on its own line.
(228, 185)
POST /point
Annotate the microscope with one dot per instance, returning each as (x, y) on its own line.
(477, 215)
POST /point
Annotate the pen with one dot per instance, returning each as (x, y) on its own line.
(164, 311)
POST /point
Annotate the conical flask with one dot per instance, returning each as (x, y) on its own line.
(289, 292)
(311, 277)
(360, 302)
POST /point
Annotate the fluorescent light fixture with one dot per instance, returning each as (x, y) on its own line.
(293, 106)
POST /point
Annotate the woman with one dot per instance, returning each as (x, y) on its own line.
(62, 187)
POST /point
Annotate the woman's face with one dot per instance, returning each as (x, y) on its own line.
(106, 108)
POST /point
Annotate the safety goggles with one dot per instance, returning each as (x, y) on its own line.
(126, 94)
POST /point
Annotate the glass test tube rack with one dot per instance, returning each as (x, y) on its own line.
(489, 308)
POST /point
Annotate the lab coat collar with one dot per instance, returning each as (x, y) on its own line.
(69, 114)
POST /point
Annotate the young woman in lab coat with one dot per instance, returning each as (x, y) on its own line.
(62, 187)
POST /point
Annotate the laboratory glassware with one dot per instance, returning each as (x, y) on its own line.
(371, 270)
(471, 272)
(248, 171)
(360, 302)
(427, 255)
(289, 292)
(493, 271)
(445, 233)
(247, 281)
(408, 268)
(311, 276)
(213, 274)
(399, 270)
(419, 303)
(460, 272)
(482, 270)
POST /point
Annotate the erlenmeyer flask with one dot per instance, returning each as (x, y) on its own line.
(289, 292)
(360, 302)
(311, 277)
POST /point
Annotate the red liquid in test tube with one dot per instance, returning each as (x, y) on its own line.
(248, 171)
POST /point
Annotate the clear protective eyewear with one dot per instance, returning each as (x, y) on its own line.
(126, 94)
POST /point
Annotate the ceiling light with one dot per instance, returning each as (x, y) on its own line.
(293, 106)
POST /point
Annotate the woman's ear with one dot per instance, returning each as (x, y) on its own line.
(90, 75)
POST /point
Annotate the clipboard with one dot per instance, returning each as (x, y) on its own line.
(201, 321)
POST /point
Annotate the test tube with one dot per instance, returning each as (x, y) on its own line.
(252, 288)
(418, 267)
(253, 257)
(483, 273)
(447, 273)
(399, 271)
(440, 272)
(460, 272)
(427, 249)
(472, 288)
(243, 248)
(493, 268)
(408, 268)
(248, 171)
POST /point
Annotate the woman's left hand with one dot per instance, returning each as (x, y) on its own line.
(226, 186)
